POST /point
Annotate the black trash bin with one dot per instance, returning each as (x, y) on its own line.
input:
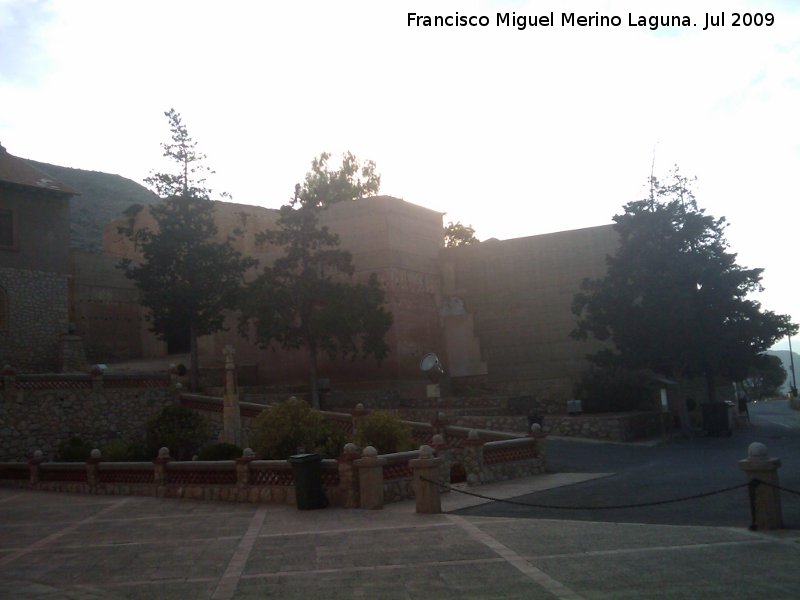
(716, 419)
(308, 481)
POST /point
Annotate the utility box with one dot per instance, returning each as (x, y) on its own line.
(307, 470)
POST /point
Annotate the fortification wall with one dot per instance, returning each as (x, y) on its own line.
(519, 294)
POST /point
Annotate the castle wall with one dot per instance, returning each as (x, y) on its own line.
(519, 293)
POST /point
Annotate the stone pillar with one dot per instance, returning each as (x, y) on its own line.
(92, 472)
(348, 477)
(231, 417)
(370, 478)
(358, 414)
(243, 466)
(160, 467)
(97, 378)
(473, 458)
(765, 500)
(33, 464)
(427, 470)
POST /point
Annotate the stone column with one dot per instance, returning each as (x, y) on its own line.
(473, 458)
(160, 468)
(348, 476)
(72, 355)
(231, 417)
(92, 472)
(765, 500)
(33, 464)
(427, 470)
(243, 467)
(358, 414)
(370, 478)
(97, 378)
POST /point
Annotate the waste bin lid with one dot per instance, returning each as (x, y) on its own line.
(304, 457)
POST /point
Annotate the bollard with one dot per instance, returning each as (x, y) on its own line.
(33, 463)
(348, 476)
(427, 470)
(765, 500)
(92, 472)
(370, 478)
(160, 467)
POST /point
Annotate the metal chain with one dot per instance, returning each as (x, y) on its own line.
(586, 507)
(777, 487)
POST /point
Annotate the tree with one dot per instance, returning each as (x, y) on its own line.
(765, 377)
(186, 279)
(674, 299)
(456, 234)
(306, 299)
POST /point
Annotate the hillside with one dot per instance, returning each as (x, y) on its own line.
(103, 198)
(784, 356)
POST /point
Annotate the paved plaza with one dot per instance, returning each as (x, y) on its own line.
(81, 546)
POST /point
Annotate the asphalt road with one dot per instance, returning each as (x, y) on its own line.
(681, 467)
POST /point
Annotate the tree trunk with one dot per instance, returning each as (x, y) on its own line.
(194, 367)
(313, 383)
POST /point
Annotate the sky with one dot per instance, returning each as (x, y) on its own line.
(516, 132)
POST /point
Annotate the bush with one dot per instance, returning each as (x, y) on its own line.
(284, 428)
(220, 451)
(75, 449)
(385, 431)
(611, 389)
(180, 429)
(125, 451)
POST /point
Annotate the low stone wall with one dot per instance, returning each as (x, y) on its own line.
(621, 427)
(39, 412)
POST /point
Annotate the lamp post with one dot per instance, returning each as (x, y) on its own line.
(791, 364)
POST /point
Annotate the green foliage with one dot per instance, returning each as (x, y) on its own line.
(305, 299)
(187, 279)
(765, 377)
(75, 449)
(284, 428)
(220, 451)
(457, 234)
(125, 451)
(385, 431)
(611, 389)
(180, 429)
(674, 299)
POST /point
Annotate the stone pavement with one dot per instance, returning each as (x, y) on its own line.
(91, 547)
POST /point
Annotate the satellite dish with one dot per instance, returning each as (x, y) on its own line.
(431, 366)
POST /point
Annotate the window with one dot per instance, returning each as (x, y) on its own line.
(6, 228)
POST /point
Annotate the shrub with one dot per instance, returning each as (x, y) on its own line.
(283, 428)
(125, 451)
(611, 389)
(385, 431)
(75, 449)
(180, 429)
(220, 451)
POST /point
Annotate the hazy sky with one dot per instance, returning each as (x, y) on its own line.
(516, 132)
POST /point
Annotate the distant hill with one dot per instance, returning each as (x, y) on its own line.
(784, 356)
(103, 198)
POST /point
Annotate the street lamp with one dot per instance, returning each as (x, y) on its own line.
(791, 363)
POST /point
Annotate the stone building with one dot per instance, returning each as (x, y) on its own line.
(34, 265)
(497, 313)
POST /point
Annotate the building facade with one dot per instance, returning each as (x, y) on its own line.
(34, 265)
